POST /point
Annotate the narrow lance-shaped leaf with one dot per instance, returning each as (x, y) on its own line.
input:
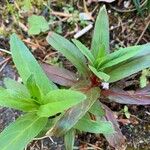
(34, 89)
(101, 34)
(97, 109)
(91, 126)
(115, 139)
(101, 75)
(118, 56)
(69, 139)
(20, 133)
(139, 97)
(13, 99)
(27, 65)
(131, 66)
(84, 50)
(71, 117)
(59, 75)
(16, 86)
(57, 101)
(69, 50)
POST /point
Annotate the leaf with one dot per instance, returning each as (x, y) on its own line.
(119, 56)
(143, 78)
(69, 50)
(137, 5)
(69, 139)
(34, 89)
(16, 86)
(115, 139)
(59, 100)
(27, 65)
(37, 24)
(91, 126)
(139, 97)
(101, 34)
(59, 75)
(71, 117)
(97, 109)
(99, 74)
(131, 66)
(20, 133)
(84, 50)
(12, 99)
(27, 5)
(126, 112)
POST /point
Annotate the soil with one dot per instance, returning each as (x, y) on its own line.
(127, 27)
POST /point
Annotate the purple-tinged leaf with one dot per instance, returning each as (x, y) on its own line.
(60, 76)
(71, 117)
(139, 97)
(115, 139)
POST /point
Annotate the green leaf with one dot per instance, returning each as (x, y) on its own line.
(13, 99)
(97, 109)
(101, 52)
(69, 139)
(71, 117)
(101, 34)
(118, 56)
(91, 126)
(59, 100)
(131, 66)
(20, 133)
(27, 5)
(84, 50)
(37, 24)
(99, 74)
(34, 89)
(27, 65)
(143, 78)
(16, 86)
(69, 50)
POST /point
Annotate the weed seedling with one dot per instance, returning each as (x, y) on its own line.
(97, 67)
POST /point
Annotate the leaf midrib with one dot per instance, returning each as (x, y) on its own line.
(5, 148)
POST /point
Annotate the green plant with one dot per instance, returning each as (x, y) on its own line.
(126, 112)
(37, 97)
(143, 78)
(142, 6)
(37, 24)
(96, 68)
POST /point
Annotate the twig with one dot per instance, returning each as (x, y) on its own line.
(83, 31)
(95, 147)
(44, 137)
(61, 14)
(5, 51)
(3, 66)
(143, 32)
(85, 7)
(4, 61)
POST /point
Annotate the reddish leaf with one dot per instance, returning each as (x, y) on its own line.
(60, 76)
(115, 139)
(71, 117)
(139, 97)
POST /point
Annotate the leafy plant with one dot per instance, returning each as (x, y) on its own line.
(37, 97)
(142, 6)
(37, 24)
(126, 112)
(98, 66)
(144, 77)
